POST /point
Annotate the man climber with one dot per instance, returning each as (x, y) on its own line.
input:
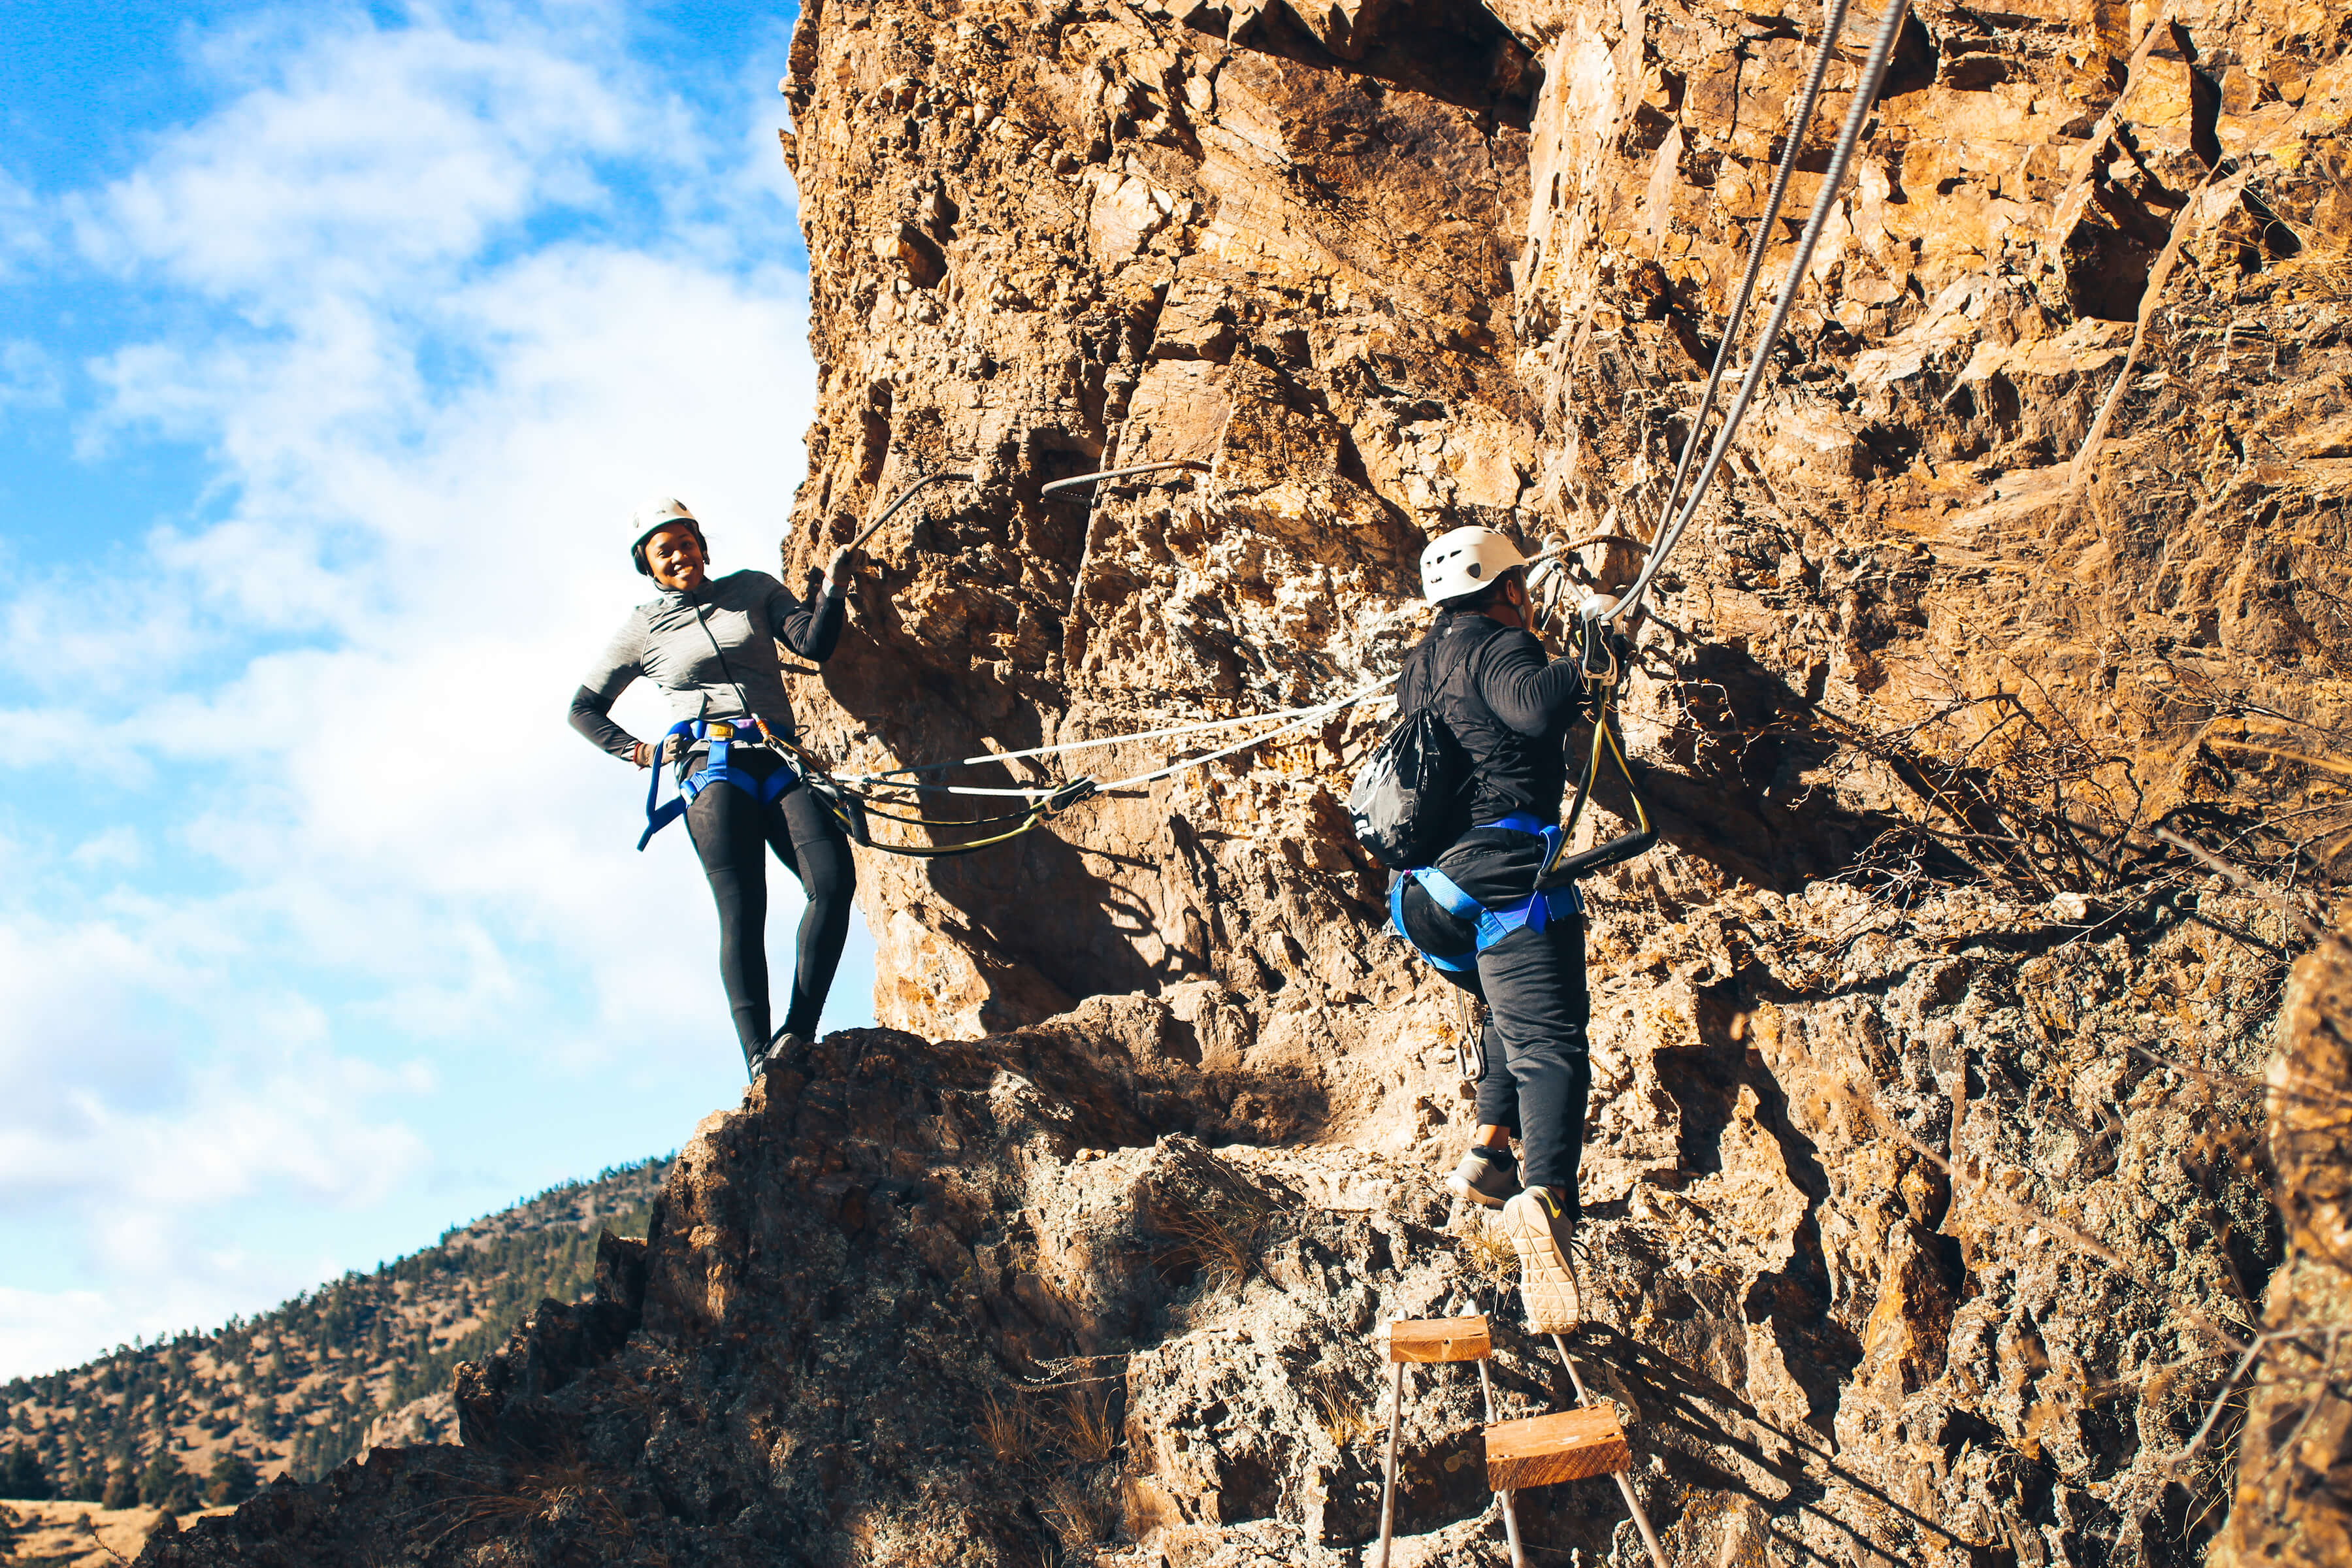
(1509, 708)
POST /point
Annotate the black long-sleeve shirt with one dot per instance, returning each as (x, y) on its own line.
(1508, 706)
(713, 650)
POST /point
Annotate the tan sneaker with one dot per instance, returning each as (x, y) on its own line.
(1542, 1230)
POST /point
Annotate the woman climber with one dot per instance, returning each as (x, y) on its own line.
(711, 642)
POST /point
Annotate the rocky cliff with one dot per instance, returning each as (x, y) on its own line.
(1931, 1183)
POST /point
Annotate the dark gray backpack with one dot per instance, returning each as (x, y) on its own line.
(1405, 792)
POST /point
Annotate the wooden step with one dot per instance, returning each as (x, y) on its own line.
(1440, 1339)
(1544, 1449)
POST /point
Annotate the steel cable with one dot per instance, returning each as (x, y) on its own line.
(1865, 96)
(1799, 122)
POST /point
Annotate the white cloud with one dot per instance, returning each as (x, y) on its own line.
(24, 239)
(117, 847)
(28, 376)
(369, 870)
(44, 1329)
(371, 159)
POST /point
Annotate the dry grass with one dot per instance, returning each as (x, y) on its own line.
(533, 1496)
(1221, 1236)
(1077, 1519)
(1006, 1429)
(1485, 1260)
(1341, 1416)
(1084, 1429)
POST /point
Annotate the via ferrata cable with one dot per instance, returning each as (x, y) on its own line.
(1865, 97)
(1799, 122)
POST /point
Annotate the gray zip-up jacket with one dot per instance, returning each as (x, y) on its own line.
(713, 650)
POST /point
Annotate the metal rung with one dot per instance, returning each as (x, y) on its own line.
(1427, 1340)
(909, 493)
(1624, 1483)
(1076, 480)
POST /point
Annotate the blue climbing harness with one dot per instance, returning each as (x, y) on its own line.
(1533, 912)
(718, 770)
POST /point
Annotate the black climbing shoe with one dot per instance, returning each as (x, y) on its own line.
(1488, 1177)
(784, 1049)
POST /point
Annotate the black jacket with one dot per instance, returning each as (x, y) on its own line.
(1510, 710)
(1507, 707)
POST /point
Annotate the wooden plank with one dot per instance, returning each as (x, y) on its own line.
(1546, 1449)
(1439, 1339)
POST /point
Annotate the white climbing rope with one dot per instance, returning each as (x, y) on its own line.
(1299, 719)
(1308, 721)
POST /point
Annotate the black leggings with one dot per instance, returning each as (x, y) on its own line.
(730, 832)
(1539, 1070)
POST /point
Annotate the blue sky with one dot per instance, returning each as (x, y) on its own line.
(338, 343)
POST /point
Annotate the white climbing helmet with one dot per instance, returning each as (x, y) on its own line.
(651, 519)
(1465, 560)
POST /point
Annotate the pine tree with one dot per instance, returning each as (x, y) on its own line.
(163, 1484)
(234, 1479)
(87, 1483)
(21, 1475)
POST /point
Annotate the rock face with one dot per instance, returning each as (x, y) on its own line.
(1927, 1176)
(947, 1304)
(2295, 1463)
(1914, 1123)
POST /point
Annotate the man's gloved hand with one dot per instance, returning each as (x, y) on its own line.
(836, 571)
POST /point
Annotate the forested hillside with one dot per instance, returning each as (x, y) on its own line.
(211, 1417)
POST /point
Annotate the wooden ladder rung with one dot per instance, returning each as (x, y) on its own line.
(1546, 1449)
(1440, 1339)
